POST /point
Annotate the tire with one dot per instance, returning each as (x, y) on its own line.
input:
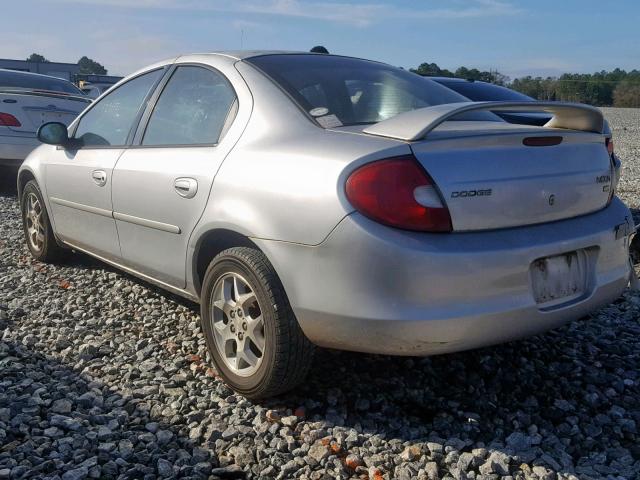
(286, 355)
(39, 235)
(634, 249)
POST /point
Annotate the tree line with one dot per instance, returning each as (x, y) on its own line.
(86, 64)
(433, 70)
(618, 88)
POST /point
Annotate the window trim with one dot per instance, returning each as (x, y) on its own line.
(151, 105)
(136, 119)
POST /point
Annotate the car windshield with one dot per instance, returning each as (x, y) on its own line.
(482, 92)
(347, 91)
(37, 82)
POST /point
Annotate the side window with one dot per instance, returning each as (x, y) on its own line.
(191, 110)
(109, 121)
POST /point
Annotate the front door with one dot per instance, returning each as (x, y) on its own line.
(79, 189)
(162, 185)
(79, 179)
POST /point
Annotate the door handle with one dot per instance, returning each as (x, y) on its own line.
(186, 187)
(99, 177)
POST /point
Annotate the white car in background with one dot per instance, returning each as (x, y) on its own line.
(27, 100)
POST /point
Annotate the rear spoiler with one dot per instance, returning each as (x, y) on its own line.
(45, 93)
(416, 124)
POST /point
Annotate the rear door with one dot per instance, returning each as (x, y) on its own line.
(79, 180)
(500, 175)
(161, 185)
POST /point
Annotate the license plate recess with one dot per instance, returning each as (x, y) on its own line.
(560, 278)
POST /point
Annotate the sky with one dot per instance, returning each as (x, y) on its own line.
(515, 37)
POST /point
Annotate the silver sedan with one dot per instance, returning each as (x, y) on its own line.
(311, 199)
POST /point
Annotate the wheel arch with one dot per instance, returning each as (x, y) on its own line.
(24, 176)
(211, 243)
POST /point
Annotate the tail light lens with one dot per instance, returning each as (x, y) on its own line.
(8, 120)
(615, 169)
(398, 192)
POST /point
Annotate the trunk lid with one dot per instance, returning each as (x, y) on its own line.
(33, 109)
(490, 179)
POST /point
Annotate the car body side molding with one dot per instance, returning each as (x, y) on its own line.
(80, 206)
(165, 227)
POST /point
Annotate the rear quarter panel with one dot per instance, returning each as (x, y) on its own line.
(284, 178)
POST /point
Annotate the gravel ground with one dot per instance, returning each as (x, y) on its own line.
(625, 125)
(103, 376)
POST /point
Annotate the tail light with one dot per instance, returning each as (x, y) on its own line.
(615, 169)
(398, 192)
(8, 120)
(609, 144)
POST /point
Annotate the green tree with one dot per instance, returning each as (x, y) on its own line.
(491, 76)
(36, 57)
(617, 87)
(538, 87)
(88, 66)
(627, 94)
(431, 70)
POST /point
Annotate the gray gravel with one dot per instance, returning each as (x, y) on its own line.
(103, 376)
(625, 125)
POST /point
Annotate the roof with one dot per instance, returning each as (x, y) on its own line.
(242, 54)
(30, 74)
(453, 79)
(14, 60)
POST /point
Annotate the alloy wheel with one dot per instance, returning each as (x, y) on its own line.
(238, 324)
(35, 222)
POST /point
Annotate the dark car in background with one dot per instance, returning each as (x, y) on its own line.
(487, 92)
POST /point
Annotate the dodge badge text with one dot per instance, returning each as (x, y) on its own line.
(471, 193)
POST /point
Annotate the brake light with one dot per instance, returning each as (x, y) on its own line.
(398, 192)
(541, 141)
(8, 120)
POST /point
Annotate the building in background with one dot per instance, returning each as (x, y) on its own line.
(91, 84)
(97, 79)
(53, 69)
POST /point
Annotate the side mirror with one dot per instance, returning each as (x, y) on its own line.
(53, 133)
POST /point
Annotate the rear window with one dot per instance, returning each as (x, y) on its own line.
(347, 91)
(37, 82)
(485, 92)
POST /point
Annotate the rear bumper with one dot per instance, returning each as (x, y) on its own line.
(14, 149)
(375, 289)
